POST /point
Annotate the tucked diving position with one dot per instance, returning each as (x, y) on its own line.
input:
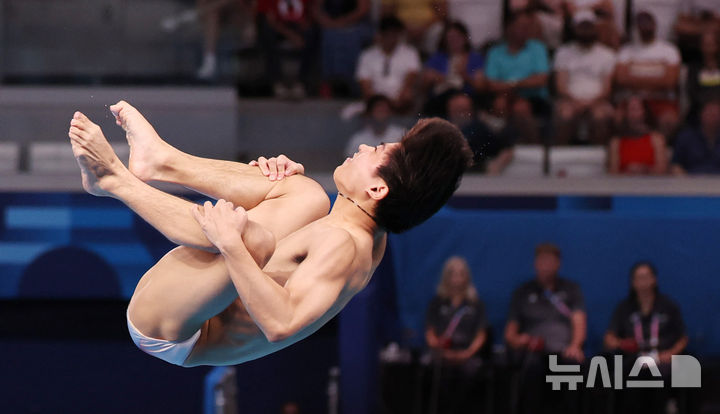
(267, 265)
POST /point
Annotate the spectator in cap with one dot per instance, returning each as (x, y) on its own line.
(583, 81)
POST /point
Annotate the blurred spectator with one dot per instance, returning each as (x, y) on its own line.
(547, 316)
(455, 332)
(287, 21)
(583, 82)
(482, 18)
(390, 67)
(290, 407)
(213, 12)
(422, 20)
(493, 150)
(453, 67)
(697, 18)
(637, 149)
(646, 323)
(378, 128)
(519, 67)
(345, 31)
(651, 67)
(604, 11)
(697, 148)
(547, 313)
(665, 12)
(546, 21)
(703, 81)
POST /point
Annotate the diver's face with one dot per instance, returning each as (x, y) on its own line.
(359, 173)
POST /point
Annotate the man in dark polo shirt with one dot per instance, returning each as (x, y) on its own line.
(547, 316)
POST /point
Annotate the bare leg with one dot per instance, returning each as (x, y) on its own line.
(152, 159)
(187, 287)
(104, 175)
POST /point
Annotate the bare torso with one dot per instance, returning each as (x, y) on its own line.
(232, 337)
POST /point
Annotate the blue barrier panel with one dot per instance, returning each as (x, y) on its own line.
(598, 246)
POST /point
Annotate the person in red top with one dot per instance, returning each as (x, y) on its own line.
(291, 21)
(638, 149)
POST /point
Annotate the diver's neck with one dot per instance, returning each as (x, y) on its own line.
(352, 213)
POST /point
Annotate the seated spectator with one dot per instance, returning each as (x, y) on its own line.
(698, 18)
(281, 20)
(213, 13)
(637, 149)
(455, 331)
(703, 81)
(697, 148)
(646, 323)
(519, 67)
(547, 316)
(651, 68)
(345, 31)
(493, 150)
(422, 19)
(665, 13)
(378, 128)
(583, 82)
(453, 67)
(546, 21)
(390, 67)
(604, 11)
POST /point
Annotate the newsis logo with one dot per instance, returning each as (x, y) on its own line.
(684, 369)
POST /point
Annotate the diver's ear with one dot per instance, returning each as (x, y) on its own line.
(377, 191)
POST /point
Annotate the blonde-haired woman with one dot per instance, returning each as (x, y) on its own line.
(455, 332)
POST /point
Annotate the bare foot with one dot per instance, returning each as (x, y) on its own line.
(99, 165)
(148, 152)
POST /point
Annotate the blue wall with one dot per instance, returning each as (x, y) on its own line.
(600, 239)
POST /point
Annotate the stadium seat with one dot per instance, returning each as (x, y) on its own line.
(578, 161)
(9, 157)
(527, 162)
(58, 158)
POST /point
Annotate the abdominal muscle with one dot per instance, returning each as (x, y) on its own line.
(232, 337)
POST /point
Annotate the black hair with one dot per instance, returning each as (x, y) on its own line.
(421, 174)
(454, 25)
(637, 265)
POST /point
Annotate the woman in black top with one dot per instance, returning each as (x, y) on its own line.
(455, 332)
(455, 324)
(647, 322)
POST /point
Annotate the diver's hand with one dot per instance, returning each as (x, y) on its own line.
(277, 168)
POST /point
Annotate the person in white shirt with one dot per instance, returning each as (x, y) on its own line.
(390, 67)
(606, 22)
(378, 129)
(583, 81)
(650, 68)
